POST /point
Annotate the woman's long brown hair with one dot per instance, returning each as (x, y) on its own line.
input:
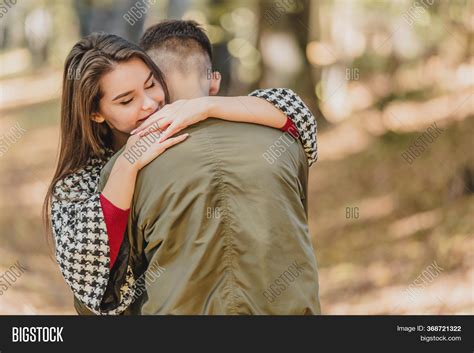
(81, 137)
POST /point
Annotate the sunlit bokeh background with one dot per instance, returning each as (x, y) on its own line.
(376, 73)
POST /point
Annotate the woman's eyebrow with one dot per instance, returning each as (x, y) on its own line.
(128, 92)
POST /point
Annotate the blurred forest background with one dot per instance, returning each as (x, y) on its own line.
(392, 230)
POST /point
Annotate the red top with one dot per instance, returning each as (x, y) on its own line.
(290, 128)
(116, 219)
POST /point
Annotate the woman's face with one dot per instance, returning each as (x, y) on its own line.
(130, 95)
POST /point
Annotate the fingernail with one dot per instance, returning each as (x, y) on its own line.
(133, 132)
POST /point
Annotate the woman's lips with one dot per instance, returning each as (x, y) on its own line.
(139, 122)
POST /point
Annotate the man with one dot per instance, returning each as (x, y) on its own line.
(227, 222)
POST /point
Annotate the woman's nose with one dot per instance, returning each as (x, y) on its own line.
(149, 103)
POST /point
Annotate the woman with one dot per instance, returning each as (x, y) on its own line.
(97, 117)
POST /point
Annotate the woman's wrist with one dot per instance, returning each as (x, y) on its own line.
(211, 106)
(127, 163)
(121, 182)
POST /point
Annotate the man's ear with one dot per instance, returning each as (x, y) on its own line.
(97, 117)
(215, 83)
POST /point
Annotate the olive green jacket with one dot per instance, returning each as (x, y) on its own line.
(228, 226)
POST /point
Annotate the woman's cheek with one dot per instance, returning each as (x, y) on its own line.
(118, 119)
(158, 94)
(127, 116)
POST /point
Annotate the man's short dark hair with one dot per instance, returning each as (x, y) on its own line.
(184, 39)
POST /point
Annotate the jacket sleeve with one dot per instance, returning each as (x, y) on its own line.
(82, 244)
(294, 108)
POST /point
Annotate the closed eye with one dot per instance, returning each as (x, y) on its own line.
(130, 92)
(151, 85)
(126, 102)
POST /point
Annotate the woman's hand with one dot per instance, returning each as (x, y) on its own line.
(174, 117)
(180, 114)
(137, 154)
(141, 150)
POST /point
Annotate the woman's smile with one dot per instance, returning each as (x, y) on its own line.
(141, 121)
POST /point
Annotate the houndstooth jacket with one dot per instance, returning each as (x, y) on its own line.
(82, 245)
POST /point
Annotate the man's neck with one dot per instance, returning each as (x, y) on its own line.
(185, 87)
